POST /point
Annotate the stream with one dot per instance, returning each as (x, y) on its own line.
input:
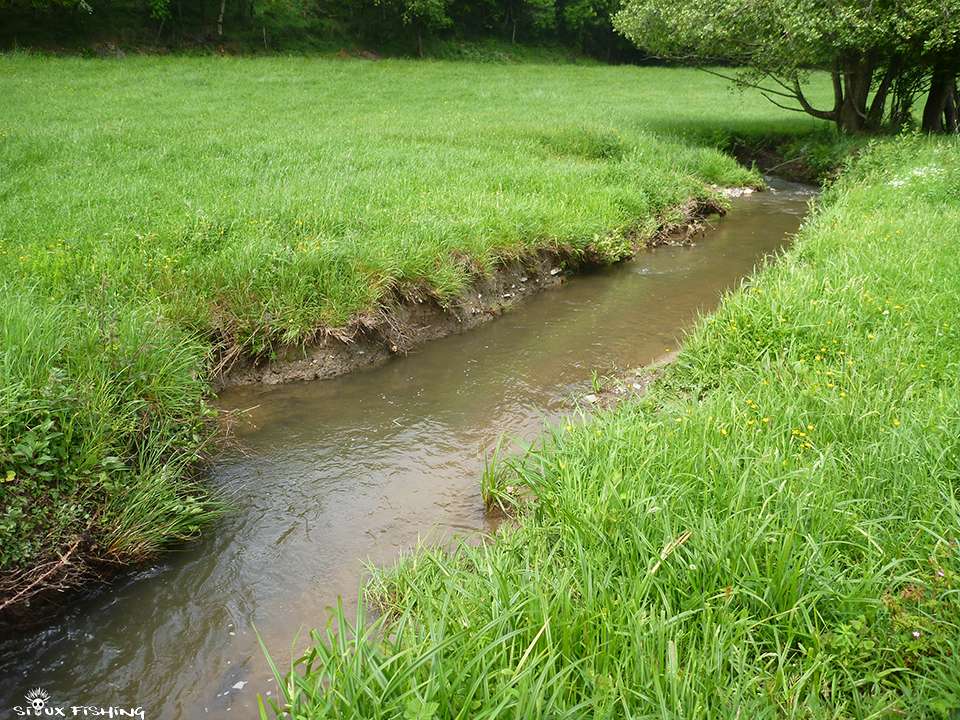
(328, 476)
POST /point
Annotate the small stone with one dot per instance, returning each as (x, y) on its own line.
(591, 398)
(239, 685)
(555, 271)
(524, 279)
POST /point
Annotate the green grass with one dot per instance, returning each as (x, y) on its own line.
(770, 533)
(156, 213)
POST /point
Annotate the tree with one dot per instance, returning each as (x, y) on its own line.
(588, 23)
(424, 16)
(538, 17)
(935, 27)
(866, 46)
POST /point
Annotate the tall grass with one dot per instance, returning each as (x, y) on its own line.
(771, 532)
(101, 418)
(153, 210)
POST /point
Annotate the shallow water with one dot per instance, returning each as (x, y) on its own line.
(329, 475)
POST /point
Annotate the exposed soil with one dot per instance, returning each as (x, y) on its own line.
(413, 317)
(633, 383)
(35, 596)
(769, 158)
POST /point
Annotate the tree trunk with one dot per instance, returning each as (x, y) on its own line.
(936, 106)
(901, 103)
(223, 7)
(837, 79)
(879, 104)
(952, 114)
(849, 120)
(419, 42)
(857, 77)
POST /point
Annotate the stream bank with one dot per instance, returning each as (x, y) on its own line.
(325, 477)
(405, 320)
(414, 316)
(772, 527)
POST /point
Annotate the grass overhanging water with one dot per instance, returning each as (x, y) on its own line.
(770, 532)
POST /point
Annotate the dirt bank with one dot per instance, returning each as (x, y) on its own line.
(413, 317)
(608, 391)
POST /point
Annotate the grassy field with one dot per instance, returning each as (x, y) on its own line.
(770, 533)
(158, 212)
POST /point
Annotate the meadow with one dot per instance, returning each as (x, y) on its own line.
(771, 532)
(158, 214)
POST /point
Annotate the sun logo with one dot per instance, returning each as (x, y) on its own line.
(37, 699)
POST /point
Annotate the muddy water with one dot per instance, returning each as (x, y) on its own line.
(330, 475)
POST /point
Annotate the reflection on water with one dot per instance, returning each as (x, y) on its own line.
(329, 475)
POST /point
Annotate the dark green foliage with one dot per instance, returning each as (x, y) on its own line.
(393, 26)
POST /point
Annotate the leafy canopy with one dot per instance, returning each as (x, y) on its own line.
(867, 45)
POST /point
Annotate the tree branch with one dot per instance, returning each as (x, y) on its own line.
(837, 87)
(793, 93)
(808, 108)
(780, 105)
(746, 83)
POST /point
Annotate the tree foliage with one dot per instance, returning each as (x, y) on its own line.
(876, 51)
(583, 25)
